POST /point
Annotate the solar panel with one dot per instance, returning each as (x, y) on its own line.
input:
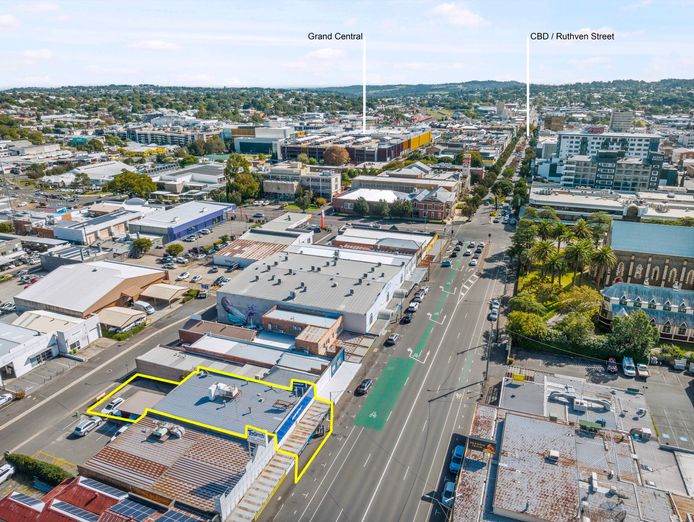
(74, 512)
(130, 508)
(176, 516)
(102, 488)
(28, 501)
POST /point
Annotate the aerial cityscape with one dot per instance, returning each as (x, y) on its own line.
(320, 261)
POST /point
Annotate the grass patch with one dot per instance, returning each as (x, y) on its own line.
(192, 293)
(294, 208)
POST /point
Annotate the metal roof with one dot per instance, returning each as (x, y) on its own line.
(652, 238)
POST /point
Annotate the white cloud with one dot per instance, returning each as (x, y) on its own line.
(458, 14)
(32, 56)
(8, 22)
(155, 45)
(325, 53)
(42, 7)
(592, 61)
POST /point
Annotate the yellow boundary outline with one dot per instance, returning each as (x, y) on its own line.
(297, 474)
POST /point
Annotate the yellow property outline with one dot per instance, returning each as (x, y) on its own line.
(297, 474)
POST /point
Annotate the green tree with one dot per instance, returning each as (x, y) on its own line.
(6, 227)
(247, 186)
(577, 328)
(131, 183)
(142, 244)
(303, 200)
(603, 259)
(187, 160)
(556, 265)
(303, 157)
(633, 335)
(335, 155)
(214, 145)
(541, 252)
(582, 299)
(36, 170)
(581, 230)
(481, 191)
(114, 141)
(401, 208)
(236, 164)
(81, 181)
(361, 207)
(599, 223)
(174, 249)
(381, 209)
(525, 325)
(578, 255)
(312, 161)
(526, 303)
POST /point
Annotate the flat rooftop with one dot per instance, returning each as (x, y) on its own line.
(301, 318)
(258, 405)
(183, 213)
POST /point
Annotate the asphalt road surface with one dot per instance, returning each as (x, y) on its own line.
(388, 456)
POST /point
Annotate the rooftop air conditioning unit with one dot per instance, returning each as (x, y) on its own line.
(553, 456)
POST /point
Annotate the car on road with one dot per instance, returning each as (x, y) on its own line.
(6, 398)
(392, 339)
(414, 306)
(87, 425)
(364, 387)
(473, 262)
(112, 407)
(196, 278)
(493, 315)
(612, 365)
(446, 263)
(182, 276)
(468, 252)
(456, 459)
(6, 471)
(406, 318)
(448, 494)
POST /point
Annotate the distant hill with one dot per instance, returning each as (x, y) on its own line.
(422, 89)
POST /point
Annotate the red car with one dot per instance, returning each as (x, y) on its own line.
(612, 365)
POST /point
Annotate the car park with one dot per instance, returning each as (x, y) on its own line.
(467, 253)
(414, 306)
(112, 407)
(612, 366)
(182, 276)
(6, 398)
(456, 461)
(448, 494)
(86, 426)
(196, 278)
(364, 387)
(392, 339)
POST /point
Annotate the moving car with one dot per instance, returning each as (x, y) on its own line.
(456, 459)
(612, 365)
(448, 494)
(628, 367)
(392, 339)
(112, 407)
(364, 387)
(6, 398)
(196, 278)
(414, 306)
(182, 276)
(86, 426)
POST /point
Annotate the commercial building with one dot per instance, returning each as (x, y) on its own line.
(356, 285)
(22, 349)
(71, 333)
(183, 219)
(621, 121)
(284, 180)
(653, 254)
(254, 139)
(379, 146)
(391, 241)
(89, 230)
(194, 180)
(173, 136)
(103, 172)
(83, 289)
(405, 184)
(590, 141)
(613, 171)
(671, 311)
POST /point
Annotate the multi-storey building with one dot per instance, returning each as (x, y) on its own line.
(621, 121)
(612, 170)
(283, 181)
(180, 137)
(591, 141)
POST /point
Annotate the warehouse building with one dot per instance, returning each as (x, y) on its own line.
(83, 289)
(183, 220)
(22, 349)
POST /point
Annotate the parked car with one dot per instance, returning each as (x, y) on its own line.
(414, 306)
(628, 367)
(496, 219)
(471, 244)
(205, 231)
(456, 459)
(406, 318)
(86, 426)
(6, 398)
(112, 407)
(456, 248)
(467, 253)
(494, 304)
(213, 270)
(182, 276)
(642, 371)
(169, 266)
(259, 215)
(196, 278)
(448, 494)
(612, 365)
(202, 294)
(8, 308)
(424, 290)
(181, 260)
(6, 471)
(473, 262)
(493, 315)
(364, 387)
(480, 244)
(446, 263)
(392, 339)
(454, 254)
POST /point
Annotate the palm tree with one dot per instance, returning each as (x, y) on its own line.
(581, 230)
(578, 255)
(603, 259)
(541, 251)
(544, 229)
(556, 265)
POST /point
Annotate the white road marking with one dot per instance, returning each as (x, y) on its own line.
(405, 475)
(367, 460)
(424, 425)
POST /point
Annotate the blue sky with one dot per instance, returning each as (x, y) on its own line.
(264, 43)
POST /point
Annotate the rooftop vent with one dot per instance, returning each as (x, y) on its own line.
(272, 277)
(279, 281)
(313, 268)
(350, 292)
(223, 391)
(292, 294)
(553, 456)
(255, 278)
(317, 269)
(358, 281)
(276, 262)
(334, 284)
(383, 274)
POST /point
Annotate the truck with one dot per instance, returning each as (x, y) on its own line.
(679, 364)
(642, 371)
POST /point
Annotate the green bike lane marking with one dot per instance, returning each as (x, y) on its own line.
(381, 401)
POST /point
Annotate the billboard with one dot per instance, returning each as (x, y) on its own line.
(483, 445)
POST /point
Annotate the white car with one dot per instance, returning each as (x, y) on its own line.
(196, 278)
(87, 425)
(473, 262)
(205, 231)
(6, 398)
(112, 407)
(182, 276)
(6, 471)
(414, 306)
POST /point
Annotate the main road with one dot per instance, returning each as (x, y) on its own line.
(388, 456)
